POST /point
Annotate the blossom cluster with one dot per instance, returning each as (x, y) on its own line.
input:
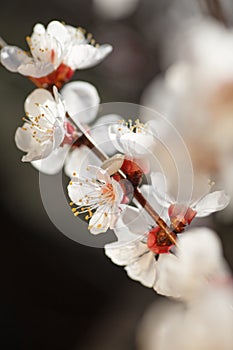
(107, 186)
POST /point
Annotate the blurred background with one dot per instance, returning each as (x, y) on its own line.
(55, 293)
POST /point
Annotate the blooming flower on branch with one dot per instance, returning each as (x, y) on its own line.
(131, 249)
(197, 261)
(81, 100)
(45, 127)
(182, 214)
(133, 139)
(56, 52)
(98, 196)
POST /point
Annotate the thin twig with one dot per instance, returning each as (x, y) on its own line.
(87, 140)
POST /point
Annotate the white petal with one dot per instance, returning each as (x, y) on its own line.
(25, 142)
(36, 69)
(101, 220)
(143, 269)
(211, 203)
(78, 160)
(46, 49)
(125, 253)
(23, 138)
(39, 29)
(58, 31)
(76, 35)
(86, 56)
(81, 97)
(148, 193)
(98, 173)
(113, 164)
(13, 57)
(100, 133)
(198, 261)
(42, 97)
(53, 163)
(135, 221)
(79, 192)
(159, 184)
(136, 143)
(115, 132)
(167, 278)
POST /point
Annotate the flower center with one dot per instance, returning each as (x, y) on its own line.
(136, 127)
(58, 77)
(158, 241)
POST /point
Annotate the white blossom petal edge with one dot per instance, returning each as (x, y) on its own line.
(203, 206)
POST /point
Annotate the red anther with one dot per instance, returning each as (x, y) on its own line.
(158, 241)
(180, 216)
(58, 77)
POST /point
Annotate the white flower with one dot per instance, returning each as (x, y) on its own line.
(57, 44)
(81, 101)
(132, 139)
(131, 249)
(197, 262)
(112, 10)
(203, 206)
(44, 129)
(98, 197)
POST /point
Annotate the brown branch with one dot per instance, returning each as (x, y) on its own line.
(86, 139)
(215, 9)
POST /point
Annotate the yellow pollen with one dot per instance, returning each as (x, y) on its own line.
(71, 203)
(71, 183)
(99, 226)
(77, 213)
(74, 210)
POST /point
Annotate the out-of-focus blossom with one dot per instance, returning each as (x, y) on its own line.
(56, 52)
(196, 264)
(131, 250)
(115, 10)
(197, 95)
(98, 197)
(198, 275)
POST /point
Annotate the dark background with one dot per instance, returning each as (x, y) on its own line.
(55, 293)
